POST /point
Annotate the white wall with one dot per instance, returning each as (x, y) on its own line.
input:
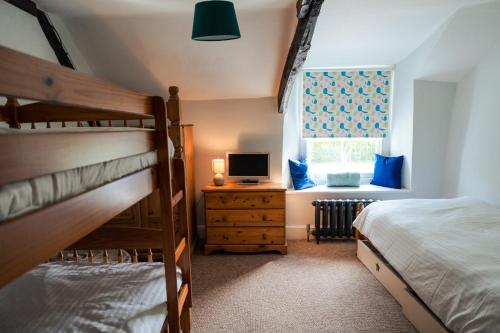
(402, 128)
(247, 125)
(433, 103)
(472, 164)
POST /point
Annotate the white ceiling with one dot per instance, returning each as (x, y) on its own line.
(375, 32)
(146, 45)
(79, 8)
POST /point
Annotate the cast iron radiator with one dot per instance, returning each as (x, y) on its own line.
(333, 218)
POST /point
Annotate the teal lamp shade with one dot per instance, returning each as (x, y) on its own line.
(215, 20)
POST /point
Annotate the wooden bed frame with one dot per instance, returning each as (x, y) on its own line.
(65, 95)
(413, 307)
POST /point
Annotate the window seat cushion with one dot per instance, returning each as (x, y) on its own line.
(387, 171)
(298, 171)
(342, 179)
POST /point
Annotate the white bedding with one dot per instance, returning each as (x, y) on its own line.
(447, 250)
(69, 297)
(25, 196)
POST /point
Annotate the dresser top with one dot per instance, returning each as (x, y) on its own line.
(234, 187)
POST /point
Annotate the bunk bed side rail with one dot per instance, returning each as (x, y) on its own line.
(25, 76)
(26, 156)
(29, 240)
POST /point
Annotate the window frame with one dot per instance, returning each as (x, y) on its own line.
(385, 142)
(365, 176)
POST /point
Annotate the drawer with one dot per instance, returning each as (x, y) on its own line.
(240, 200)
(421, 317)
(383, 273)
(242, 236)
(246, 218)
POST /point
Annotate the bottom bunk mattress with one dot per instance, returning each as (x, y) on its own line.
(447, 251)
(78, 297)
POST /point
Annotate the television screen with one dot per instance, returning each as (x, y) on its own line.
(248, 165)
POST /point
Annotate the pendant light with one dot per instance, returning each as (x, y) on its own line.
(215, 20)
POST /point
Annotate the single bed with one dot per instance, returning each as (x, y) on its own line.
(446, 252)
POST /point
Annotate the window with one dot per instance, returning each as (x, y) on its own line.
(342, 155)
(345, 118)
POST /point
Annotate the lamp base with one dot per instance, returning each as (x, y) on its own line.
(218, 179)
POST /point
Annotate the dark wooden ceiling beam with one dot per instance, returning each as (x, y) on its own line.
(307, 15)
(48, 29)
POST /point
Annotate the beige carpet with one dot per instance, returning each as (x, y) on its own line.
(315, 288)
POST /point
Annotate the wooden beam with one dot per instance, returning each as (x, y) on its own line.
(48, 29)
(307, 14)
(26, 5)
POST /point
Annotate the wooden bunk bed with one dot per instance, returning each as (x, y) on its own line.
(78, 222)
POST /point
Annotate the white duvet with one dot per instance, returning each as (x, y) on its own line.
(70, 297)
(447, 250)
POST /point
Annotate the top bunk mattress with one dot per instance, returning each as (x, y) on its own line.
(447, 252)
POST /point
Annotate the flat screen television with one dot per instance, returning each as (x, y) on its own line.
(248, 167)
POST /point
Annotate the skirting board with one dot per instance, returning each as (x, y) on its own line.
(292, 232)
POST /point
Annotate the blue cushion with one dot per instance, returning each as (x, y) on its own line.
(350, 179)
(298, 171)
(387, 171)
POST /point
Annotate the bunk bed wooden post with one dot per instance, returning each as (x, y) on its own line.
(173, 111)
(166, 214)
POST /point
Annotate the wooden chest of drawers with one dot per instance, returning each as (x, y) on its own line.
(245, 218)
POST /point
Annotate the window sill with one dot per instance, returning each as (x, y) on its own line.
(367, 188)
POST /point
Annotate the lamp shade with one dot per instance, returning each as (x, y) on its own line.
(218, 165)
(215, 20)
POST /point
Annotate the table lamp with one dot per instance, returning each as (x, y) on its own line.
(218, 169)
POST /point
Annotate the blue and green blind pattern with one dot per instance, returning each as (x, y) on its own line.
(346, 104)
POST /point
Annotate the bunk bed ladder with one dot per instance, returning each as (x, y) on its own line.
(175, 249)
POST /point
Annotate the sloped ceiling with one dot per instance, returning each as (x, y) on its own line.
(376, 32)
(465, 38)
(146, 45)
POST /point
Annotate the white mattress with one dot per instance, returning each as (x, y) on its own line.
(448, 251)
(69, 297)
(25, 196)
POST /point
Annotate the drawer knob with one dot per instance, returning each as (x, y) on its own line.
(264, 218)
(224, 236)
(264, 236)
(377, 267)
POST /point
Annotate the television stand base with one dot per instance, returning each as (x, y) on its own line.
(249, 181)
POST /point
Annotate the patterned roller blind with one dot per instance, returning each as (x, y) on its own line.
(346, 104)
